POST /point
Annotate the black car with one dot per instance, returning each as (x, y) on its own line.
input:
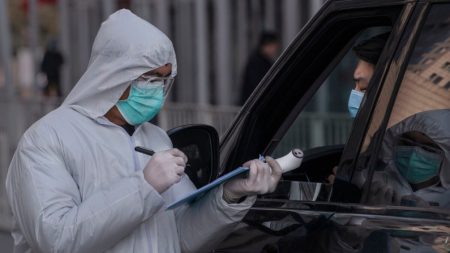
(411, 76)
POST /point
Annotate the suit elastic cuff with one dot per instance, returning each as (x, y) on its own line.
(152, 200)
(242, 204)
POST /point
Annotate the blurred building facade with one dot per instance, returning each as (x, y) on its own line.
(429, 78)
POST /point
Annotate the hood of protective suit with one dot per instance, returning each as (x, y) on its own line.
(434, 124)
(125, 47)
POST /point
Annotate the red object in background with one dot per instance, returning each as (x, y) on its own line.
(24, 4)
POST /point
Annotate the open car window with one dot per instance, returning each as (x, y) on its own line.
(323, 127)
(289, 86)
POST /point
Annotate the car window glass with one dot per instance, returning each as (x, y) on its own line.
(413, 166)
(326, 122)
(321, 130)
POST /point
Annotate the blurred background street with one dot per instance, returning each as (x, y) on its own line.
(45, 48)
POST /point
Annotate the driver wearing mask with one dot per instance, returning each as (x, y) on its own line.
(368, 53)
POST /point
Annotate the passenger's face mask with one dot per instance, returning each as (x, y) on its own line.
(416, 164)
(143, 103)
(354, 101)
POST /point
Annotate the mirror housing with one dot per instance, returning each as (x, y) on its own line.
(200, 143)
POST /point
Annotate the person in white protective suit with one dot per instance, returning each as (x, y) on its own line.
(75, 183)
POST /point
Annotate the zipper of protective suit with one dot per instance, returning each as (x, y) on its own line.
(137, 167)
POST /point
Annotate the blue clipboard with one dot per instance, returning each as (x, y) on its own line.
(201, 191)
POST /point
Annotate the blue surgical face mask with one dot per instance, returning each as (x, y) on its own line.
(143, 103)
(354, 101)
(416, 164)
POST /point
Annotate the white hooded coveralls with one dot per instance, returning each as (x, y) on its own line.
(75, 183)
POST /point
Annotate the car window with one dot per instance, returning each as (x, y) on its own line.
(321, 130)
(288, 87)
(414, 154)
(326, 119)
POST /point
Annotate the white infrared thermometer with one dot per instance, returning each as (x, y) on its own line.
(291, 161)
(287, 163)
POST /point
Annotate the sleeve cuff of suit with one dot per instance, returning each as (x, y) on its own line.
(233, 207)
(152, 200)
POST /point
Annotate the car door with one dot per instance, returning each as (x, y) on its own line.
(279, 107)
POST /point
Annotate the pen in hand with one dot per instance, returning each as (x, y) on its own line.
(144, 151)
(150, 152)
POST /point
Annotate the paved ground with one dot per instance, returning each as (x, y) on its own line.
(6, 242)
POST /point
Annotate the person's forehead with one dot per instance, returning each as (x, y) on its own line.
(163, 70)
(363, 70)
(364, 66)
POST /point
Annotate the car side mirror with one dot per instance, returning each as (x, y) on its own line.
(200, 143)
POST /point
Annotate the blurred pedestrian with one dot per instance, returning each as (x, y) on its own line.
(24, 71)
(260, 62)
(51, 67)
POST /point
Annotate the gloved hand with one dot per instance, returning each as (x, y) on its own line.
(263, 178)
(165, 169)
(380, 194)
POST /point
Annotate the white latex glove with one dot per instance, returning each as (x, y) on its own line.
(165, 168)
(263, 178)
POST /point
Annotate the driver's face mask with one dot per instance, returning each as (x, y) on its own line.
(354, 101)
(417, 164)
